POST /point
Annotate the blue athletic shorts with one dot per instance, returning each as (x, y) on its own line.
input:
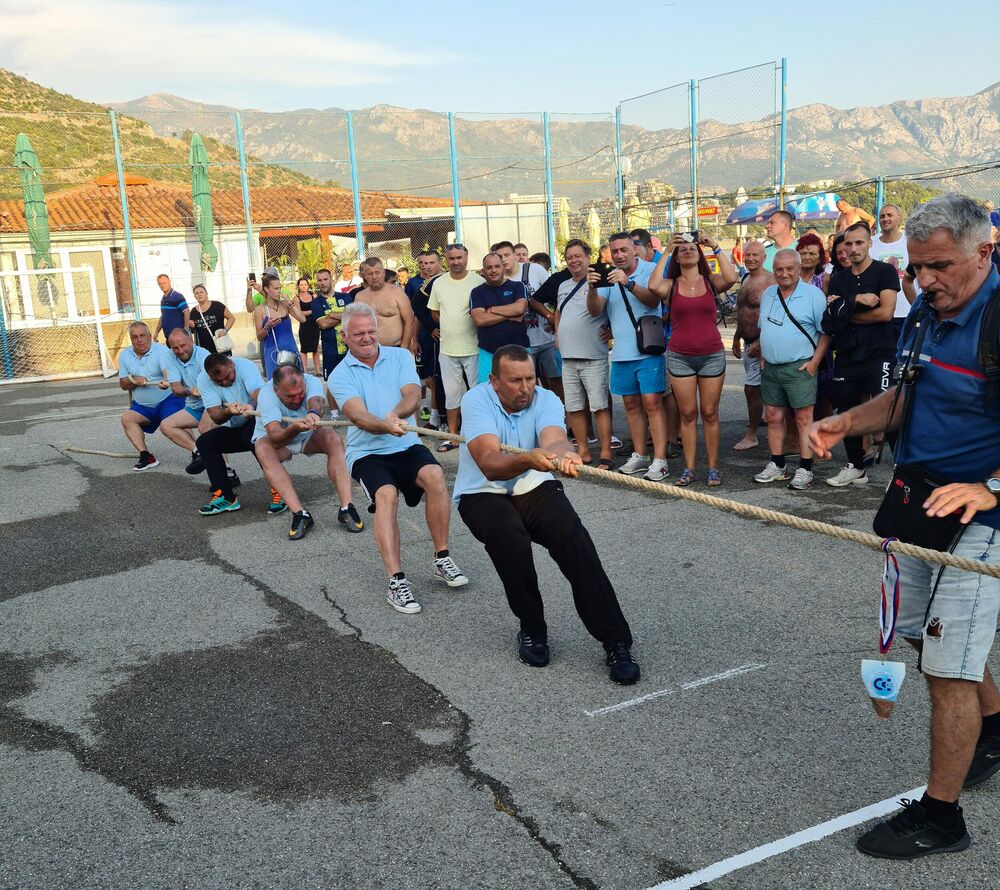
(643, 376)
(196, 413)
(156, 414)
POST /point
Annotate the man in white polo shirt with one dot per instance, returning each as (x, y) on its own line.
(275, 439)
(142, 372)
(378, 390)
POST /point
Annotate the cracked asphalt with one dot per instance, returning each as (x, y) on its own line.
(197, 702)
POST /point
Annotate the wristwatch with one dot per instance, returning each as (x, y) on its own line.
(992, 484)
(630, 286)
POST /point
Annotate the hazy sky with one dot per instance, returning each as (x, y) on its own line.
(573, 55)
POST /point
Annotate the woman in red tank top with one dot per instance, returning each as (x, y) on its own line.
(696, 358)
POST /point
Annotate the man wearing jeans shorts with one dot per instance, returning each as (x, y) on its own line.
(585, 355)
(951, 430)
(637, 378)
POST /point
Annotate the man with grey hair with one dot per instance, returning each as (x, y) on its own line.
(397, 326)
(143, 368)
(378, 390)
(288, 410)
(792, 347)
(949, 425)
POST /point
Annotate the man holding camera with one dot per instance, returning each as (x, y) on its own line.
(637, 378)
(952, 429)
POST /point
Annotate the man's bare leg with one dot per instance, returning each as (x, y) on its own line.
(387, 528)
(638, 429)
(326, 441)
(602, 422)
(437, 505)
(955, 724)
(132, 424)
(755, 413)
(271, 461)
(177, 428)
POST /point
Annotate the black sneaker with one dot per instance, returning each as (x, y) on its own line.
(349, 518)
(533, 651)
(232, 478)
(985, 762)
(196, 466)
(301, 523)
(911, 834)
(674, 450)
(624, 667)
(146, 462)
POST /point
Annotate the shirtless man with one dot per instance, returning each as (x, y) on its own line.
(396, 324)
(748, 332)
(849, 215)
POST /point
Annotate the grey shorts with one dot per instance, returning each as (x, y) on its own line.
(960, 627)
(752, 368)
(585, 380)
(711, 365)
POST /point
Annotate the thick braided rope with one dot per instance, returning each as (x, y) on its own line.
(748, 511)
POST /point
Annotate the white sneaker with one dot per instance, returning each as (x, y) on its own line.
(400, 596)
(637, 463)
(802, 479)
(772, 473)
(657, 471)
(850, 475)
(446, 570)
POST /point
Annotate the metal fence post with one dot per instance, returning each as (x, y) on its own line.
(783, 150)
(358, 226)
(126, 222)
(620, 176)
(879, 201)
(550, 225)
(693, 93)
(8, 367)
(670, 210)
(454, 176)
(245, 187)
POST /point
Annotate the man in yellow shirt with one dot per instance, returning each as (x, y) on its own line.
(449, 306)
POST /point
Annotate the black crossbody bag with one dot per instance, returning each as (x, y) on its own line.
(649, 337)
(901, 514)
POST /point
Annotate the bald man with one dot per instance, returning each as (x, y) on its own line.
(747, 335)
(396, 324)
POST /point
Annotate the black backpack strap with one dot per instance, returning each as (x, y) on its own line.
(989, 355)
(572, 293)
(795, 321)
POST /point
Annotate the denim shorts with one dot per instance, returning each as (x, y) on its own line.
(959, 628)
(711, 365)
(751, 367)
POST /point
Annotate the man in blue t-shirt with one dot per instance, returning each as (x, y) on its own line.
(174, 309)
(639, 379)
(509, 501)
(288, 411)
(497, 309)
(947, 426)
(328, 308)
(142, 372)
(229, 388)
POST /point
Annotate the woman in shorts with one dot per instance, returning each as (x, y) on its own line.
(696, 358)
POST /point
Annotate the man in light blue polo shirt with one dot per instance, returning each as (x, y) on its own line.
(288, 411)
(792, 346)
(142, 372)
(639, 379)
(187, 361)
(229, 388)
(509, 501)
(378, 390)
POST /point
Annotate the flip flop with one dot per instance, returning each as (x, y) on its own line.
(447, 446)
(604, 464)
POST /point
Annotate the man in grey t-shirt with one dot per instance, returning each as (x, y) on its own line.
(585, 356)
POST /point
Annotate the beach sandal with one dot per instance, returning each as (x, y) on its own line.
(685, 478)
(447, 446)
(604, 464)
(713, 478)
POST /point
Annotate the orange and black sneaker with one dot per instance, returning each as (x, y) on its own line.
(219, 504)
(277, 505)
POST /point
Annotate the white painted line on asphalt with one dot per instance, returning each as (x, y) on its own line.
(799, 839)
(693, 684)
(106, 412)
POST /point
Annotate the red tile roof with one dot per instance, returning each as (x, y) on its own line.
(163, 205)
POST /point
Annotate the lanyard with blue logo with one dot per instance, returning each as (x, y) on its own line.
(883, 679)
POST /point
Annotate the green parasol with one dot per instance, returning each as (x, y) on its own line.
(201, 202)
(35, 213)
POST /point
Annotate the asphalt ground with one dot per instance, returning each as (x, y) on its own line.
(198, 702)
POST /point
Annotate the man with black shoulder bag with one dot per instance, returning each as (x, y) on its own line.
(944, 494)
(637, 361)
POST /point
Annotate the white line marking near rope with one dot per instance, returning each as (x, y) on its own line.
(799, 839)
(693, 684)
(42, 418)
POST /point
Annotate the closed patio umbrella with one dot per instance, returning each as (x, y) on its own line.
(201, 202)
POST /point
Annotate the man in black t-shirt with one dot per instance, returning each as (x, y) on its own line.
(859, 318)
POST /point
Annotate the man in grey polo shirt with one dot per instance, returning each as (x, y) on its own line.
(585, 355)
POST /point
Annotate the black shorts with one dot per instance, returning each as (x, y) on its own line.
(399, 469)
(871, 379)
(430, 362)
